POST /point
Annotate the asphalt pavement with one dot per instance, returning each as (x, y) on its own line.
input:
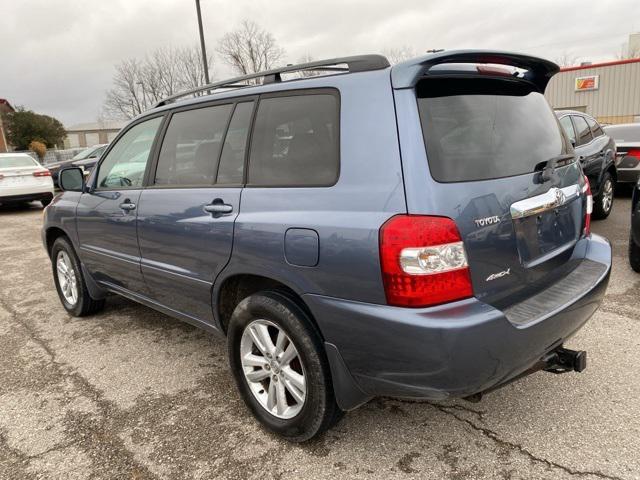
(133, 394)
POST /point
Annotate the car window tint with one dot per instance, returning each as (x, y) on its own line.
(231, 167)
(482, 128)
(584, 133)
(567, 126)
(295, 141)
(125, 163)
(191, 146)
(596, 130)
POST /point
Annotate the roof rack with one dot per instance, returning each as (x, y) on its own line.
(360, 63)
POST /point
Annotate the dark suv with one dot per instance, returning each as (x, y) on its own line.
(369, 230)
(596, 151)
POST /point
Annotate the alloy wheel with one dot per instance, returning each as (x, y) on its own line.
(607, 195)
(67, 278)
(273, 369)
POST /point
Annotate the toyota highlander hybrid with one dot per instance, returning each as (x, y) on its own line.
(421, 230)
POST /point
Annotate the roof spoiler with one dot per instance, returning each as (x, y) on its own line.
(539, 71)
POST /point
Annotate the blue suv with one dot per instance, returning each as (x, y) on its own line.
(354, 229)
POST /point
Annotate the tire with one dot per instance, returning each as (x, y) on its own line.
(603, 202)
(83, 304)
(273, 312)
(46, 201)
(634, 254)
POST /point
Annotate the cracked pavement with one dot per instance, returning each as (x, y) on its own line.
(133, 394)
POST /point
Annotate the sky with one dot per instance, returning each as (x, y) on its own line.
(57, 57)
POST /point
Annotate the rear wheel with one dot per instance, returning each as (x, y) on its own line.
(603, 202)
(634, 254)
(70, 283)
(46, 201)
(279, 364)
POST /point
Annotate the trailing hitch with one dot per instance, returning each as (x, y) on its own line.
(563, 360)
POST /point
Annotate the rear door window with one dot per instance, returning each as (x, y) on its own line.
(584, 132)
(596, 129)
(567, 126)
(231, 167)
(295, 141)
(477, 128)
(191, 146)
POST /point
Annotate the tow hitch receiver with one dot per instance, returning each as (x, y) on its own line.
(560, 360)
(563, 360)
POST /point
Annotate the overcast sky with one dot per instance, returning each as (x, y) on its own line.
(57, 57)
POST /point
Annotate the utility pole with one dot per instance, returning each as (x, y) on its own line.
(202, 47)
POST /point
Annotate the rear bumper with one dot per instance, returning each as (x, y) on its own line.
(453, 350)
(628, 175)
(13, 197)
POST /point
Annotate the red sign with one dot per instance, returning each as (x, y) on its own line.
(587, 83)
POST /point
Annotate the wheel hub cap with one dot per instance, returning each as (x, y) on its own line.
(273, 369)
(67, 278)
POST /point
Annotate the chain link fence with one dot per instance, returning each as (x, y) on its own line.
(55, 155)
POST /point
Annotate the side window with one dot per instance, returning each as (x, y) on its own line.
(567, 126)
(231, 166)
(191, 146)
(584, 133)
(596, 129)
(125, 163)
(295, 141)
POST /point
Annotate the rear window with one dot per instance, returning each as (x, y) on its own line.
(596, 130)
(479, 129)
(295, 141)
(16, 162)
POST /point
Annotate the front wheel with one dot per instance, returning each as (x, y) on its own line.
(634, 254)
(279, 364)
(70, 284)
(603, 202)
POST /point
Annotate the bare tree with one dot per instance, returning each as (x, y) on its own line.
(397, 55)
(250, 49)
(566, 60)
(139, 84)
(627, 51)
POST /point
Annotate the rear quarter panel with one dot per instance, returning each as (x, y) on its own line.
(346, 216)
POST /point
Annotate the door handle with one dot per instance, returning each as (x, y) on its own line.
(127, 206)
(218, 208)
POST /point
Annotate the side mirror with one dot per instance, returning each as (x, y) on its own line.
(71, 179)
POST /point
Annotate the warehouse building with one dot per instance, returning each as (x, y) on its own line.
(609, 91)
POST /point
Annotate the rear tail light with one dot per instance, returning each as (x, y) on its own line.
(42, 173)
(423, 261)
(586, 189)
(634, 152)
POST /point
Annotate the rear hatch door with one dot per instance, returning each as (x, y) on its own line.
(500, 166)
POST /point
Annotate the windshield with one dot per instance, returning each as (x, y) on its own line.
(479, 129)
(17, 161)
(84, 154)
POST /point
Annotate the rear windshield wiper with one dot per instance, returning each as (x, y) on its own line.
(549, 166)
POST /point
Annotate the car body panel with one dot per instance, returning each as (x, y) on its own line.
(19, 183)
(170, 255)
(635, 213)
(627, 138)
(596, 156)
(182, 247)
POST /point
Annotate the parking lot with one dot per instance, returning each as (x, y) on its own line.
(131, 393)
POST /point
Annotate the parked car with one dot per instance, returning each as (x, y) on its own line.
(87, 163)
(356, 264)
(596, 151)
(23, 179)
(627, 138)
(91, 153)
(634, 235)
